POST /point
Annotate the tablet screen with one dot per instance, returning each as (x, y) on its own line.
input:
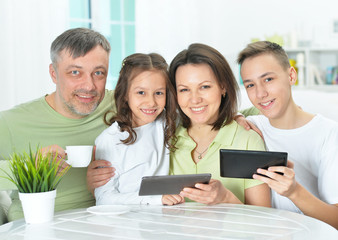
(244, 163)
(170, 184)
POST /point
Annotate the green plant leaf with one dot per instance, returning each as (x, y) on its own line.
(34, 171)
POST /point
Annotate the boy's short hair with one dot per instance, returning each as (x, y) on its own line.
(264, 47)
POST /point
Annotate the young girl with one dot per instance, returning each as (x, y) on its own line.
(137, 143)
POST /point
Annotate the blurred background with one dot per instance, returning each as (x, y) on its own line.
(308, 30)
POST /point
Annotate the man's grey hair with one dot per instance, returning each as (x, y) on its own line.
(78, 42)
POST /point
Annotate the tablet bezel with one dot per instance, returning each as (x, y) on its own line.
(244, 163)
(170, 184)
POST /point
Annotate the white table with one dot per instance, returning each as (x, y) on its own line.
(185, 221)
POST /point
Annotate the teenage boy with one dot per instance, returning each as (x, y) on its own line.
(309, 182)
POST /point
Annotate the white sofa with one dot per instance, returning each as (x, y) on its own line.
(5, 201)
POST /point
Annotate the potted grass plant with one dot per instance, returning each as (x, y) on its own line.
(36, 176)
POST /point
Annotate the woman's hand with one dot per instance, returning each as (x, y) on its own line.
(284, 185)
(241, 120)
(212, 193)
(172, 199)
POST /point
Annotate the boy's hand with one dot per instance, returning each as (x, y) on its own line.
(284, 185)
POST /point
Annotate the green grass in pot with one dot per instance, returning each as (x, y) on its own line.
(35, 172)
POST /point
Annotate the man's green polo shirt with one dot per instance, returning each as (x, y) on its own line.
(231, 136)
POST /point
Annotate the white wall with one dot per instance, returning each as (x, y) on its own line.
(169, 26)
(166, 26)
(27, 30)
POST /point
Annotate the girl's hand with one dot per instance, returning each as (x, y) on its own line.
(172, 199)
(241, 120)
(212, 193)
(284, 185)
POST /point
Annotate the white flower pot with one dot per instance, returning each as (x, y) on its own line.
(38, 207)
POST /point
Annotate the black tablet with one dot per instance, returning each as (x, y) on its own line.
(170, 184)
(244, 163)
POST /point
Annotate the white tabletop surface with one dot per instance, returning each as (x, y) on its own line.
(184, 221)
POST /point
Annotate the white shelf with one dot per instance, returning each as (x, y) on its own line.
(316, 62)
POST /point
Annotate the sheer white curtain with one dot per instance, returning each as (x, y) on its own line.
(27, 28)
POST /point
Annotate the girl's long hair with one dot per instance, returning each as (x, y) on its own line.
(132, 66)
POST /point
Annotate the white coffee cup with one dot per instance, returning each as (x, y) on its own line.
(79, 156)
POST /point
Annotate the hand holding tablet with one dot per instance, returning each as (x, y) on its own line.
(233, 164)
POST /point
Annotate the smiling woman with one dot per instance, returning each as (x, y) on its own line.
(207, 97)
(199, 100)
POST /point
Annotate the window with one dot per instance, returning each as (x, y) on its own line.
(115, 19)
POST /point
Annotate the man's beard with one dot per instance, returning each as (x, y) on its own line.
(81, 109)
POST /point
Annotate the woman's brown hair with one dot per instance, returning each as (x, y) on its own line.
(132, 66)
(202, 54)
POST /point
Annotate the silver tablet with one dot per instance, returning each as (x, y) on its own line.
(170, 184)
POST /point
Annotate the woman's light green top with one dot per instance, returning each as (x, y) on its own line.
(231, 136)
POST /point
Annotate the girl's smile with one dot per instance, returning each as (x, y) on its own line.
(147, 97)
